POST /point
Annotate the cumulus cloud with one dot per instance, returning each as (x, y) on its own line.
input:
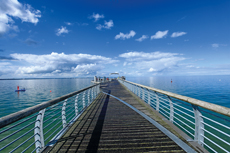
(143, 37)
(152, 62)
(107, 25)
(13, 8)
(96, 17)
(87, 69)
(178, 34)
(159, 34)
(67, 63)
(61, 31)
(125, 36)
(30, 41)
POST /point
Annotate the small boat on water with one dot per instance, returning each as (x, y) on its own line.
(23, 89)
(20, 90)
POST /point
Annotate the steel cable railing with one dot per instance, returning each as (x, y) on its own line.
(32, 129)
(206, 123)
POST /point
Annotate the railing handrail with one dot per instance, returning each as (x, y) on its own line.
(213, 107)
(11, 118)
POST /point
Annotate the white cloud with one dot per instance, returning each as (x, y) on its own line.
(156, 62)
(107, 25)
(178, 34)
(125, 36)
(61, 63)
(125, 63)
(12, 8)
(62, 30)
(215, 45)
(143, 37)
(68, 23)
(159, 34)
(96, 17)
(136, 56)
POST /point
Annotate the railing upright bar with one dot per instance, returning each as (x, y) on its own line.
(76, 105)
(64, 114)
(199, 126)
(83, 99)
(157, 102)
(143, 94)
(38, 131)
(171, 109)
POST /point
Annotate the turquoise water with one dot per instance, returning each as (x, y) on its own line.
(213, 89)
(37, 91)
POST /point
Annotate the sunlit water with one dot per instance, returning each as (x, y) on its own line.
(213, 89)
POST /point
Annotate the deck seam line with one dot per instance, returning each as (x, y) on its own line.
(179, 142)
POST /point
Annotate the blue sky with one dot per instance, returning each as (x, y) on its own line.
(135, 38)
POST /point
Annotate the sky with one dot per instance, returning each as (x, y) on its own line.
(69, 38)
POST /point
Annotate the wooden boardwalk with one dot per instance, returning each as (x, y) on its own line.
(110, 126)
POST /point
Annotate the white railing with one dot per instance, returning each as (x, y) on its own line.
(32, 129)
(206, 123)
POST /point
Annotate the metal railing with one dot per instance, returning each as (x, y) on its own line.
(206, 123)
(31, 129)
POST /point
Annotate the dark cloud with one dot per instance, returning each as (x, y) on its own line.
(1, 50)
(30, 42)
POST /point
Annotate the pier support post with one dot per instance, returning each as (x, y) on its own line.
(171, 110)
(199, 125)
(38, 131)
(157, 102)
(64, 114)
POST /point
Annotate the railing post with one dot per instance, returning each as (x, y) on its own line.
(157, 102)
(38, 131)
(171, 110)
(76, 105)
(94, 91)
(92, 97)
(83, 99)
(199, 126)
(89, 96)
(63, 114)
(143, 94)
(148, 97)
(136, 90)
(139, 92)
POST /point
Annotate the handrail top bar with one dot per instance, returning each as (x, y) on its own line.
(11, 118)
(213, 107)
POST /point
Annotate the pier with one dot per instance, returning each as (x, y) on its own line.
(109, 125)
(118, 116)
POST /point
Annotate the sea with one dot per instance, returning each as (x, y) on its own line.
(214, 89)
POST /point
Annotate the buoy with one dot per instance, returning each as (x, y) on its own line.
(17, 87)
(171, 80)
(50, 91)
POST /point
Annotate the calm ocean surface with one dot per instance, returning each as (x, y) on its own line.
(213, 89)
